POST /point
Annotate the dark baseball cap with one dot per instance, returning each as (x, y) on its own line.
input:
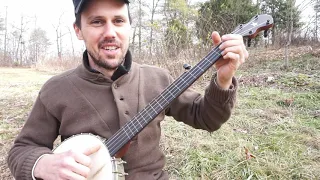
(78, 5)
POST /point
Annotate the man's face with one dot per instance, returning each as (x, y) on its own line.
(105, 29)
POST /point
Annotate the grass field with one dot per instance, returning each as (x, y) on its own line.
(276, 123)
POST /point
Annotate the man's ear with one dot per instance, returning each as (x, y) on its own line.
(78, 31)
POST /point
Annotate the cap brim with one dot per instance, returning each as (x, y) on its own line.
(79, 5)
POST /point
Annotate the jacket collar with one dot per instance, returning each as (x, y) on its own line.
(122, 69)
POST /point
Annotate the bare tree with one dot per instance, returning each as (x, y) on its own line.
(72, 45)
(59, 35)
(20, 45)
(153, 11)
(133, 38)
(5, 37)
(140, 26)
(1, 25)
(289, 34)
(317, 11)
(38, 45)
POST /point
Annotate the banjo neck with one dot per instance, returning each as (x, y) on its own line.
(160, 103)
(163, 100)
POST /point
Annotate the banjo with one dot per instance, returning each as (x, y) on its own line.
(107, 163)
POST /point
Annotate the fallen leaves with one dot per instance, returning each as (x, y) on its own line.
(278, 53)
(286, 102)
(248, 154)
(241, 131)
(316, 53)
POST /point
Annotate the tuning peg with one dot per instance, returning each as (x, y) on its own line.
(249, 42)
(268, 22)
(265, 33)
(187, 66)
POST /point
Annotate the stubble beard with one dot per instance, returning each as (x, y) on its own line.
(103, 63)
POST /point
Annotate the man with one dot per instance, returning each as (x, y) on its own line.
(106, 91)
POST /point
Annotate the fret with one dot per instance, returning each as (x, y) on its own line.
(140, 123)
(172, 95)
(177, 87)
(159, 104)
(126, 133)
(147, 114)
(153, 109)
(145, 120)
(129, 129)
(150, 113)
(193, 76)
(161, 95)
(184, 81)
(133, 126)
(200, 68)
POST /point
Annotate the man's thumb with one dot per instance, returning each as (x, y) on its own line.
(216, 38)
(90, 150)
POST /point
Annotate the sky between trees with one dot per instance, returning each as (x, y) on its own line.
(45, 14)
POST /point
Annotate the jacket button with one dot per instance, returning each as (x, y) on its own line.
(115, 86)
(127, 112)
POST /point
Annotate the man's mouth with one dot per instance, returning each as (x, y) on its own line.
(110, 48)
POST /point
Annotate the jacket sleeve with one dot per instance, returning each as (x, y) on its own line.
(206, 112)
(30, 144)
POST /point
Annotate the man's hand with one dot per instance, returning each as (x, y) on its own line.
(234, 53)
(65, 166)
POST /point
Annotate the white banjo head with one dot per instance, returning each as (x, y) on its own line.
(101, 168)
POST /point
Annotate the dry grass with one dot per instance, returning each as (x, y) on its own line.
(19, 88)
(277, 121)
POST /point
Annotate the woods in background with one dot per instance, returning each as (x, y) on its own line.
(166, 29)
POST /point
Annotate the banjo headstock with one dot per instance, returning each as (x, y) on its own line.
(258, 23)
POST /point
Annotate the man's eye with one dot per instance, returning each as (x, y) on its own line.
(97, 22)
(118, 21)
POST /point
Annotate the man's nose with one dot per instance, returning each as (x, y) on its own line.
(109, 30)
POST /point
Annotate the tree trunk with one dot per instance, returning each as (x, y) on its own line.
(153, 11)
(140, 25)
(316, 25)
(5, 38)
(289, 35)
(72, 46)
(60, 38)
(57, 41)
(134, 38)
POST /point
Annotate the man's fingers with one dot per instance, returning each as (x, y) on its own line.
(234, 60)
(67, 174)
(80, 166)
(82, 157)
(80, 169)
(216, 38)
(90, 150)
(231, 37)
(231, 43)
(234, 49)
